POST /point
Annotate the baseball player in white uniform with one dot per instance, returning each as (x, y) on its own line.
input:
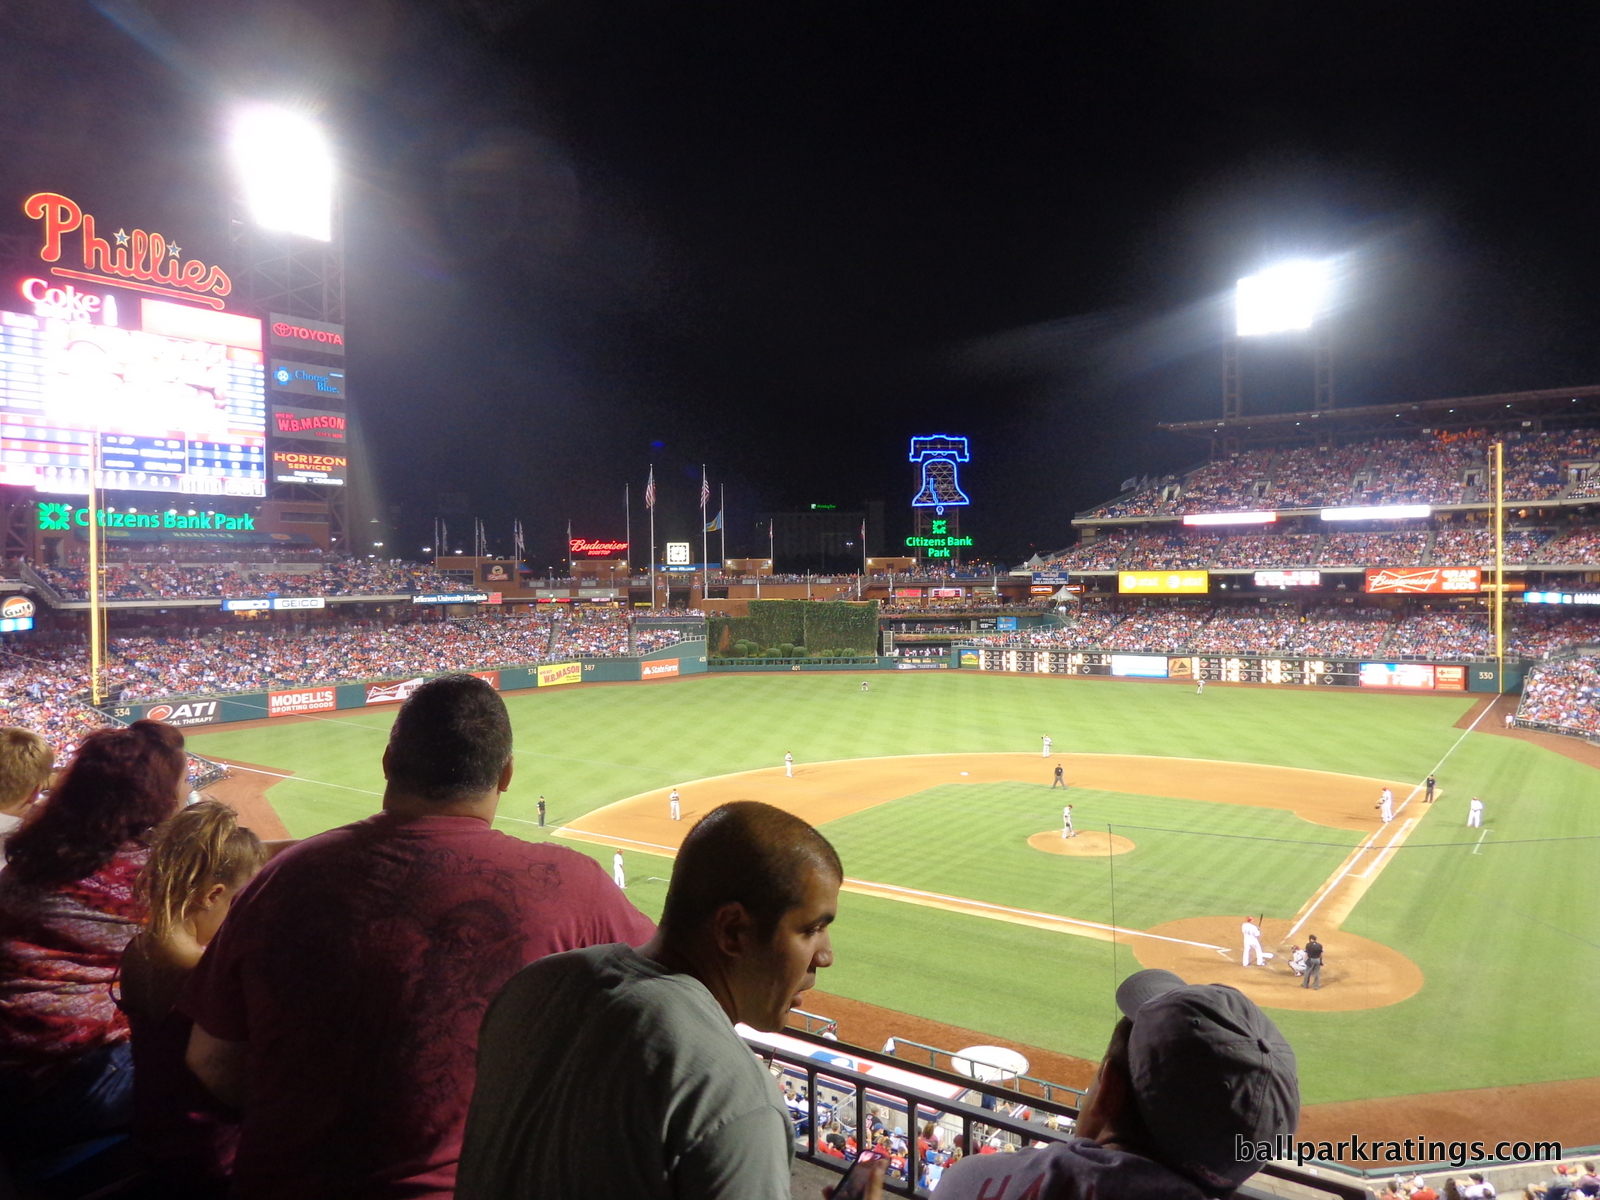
(1252, 942)
(1475, 814)
(1386, 805)
(788, 764)
(617, 876)
(1066, 822)
(1045, 753)
(672, 804)
(1200, 687)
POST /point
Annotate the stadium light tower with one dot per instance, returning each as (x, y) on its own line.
(285, 166)
(1289, 297)
(286, 223)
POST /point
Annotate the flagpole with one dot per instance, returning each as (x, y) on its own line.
(722, 523)
(705, 538)
(650, 503)
(627, 533)
(569, 548)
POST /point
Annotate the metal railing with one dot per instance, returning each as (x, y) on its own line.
(1012, 1080)
(1028, 1122)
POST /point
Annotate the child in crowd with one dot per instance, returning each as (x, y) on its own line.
(26, 761)
(198, 861)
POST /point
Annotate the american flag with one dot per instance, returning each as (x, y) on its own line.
(705, 491)
(650, 490)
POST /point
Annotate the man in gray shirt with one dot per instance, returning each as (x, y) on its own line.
(613, 1072)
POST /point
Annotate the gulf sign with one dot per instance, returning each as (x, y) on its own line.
(307, 700)
(555, 674)
(1164, 583)
(16, 606)
(1417, 580)
(662, 668)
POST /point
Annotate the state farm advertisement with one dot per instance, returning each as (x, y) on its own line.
(1415, 580)
(392, 693)
(308, 700)
(660, 669)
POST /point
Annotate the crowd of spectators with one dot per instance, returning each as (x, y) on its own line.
(1565, 695)
(198, 581)
(1372, 549)
(1436, 468)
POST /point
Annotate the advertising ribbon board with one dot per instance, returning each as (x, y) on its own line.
(392, 693)
(455, 598)
(1164, 583)
(1414, 580)
(307, 700)
(660, 669)
(552, 674)
(492, 678)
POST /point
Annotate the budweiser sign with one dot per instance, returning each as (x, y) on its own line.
(144, 262)
(1413, 580)
(585, 548)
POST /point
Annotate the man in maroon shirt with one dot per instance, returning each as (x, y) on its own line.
(339, 1005)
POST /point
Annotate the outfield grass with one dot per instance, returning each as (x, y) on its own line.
(1507, 936)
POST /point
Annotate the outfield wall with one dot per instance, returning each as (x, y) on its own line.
(685, 658)
(1444, 676)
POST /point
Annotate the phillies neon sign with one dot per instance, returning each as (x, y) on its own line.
(139, 260)
(586, 548)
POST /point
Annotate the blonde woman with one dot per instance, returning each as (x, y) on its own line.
(198, 861)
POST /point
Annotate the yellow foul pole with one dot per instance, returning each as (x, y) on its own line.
(1500, 565)
(96, 640)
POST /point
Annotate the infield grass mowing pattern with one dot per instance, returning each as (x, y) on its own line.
(1191, 859)
(1509, 938)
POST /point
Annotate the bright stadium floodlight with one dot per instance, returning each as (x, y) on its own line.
(1286, 297)
(286, 167)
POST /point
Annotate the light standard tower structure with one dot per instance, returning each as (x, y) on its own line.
(287, 228)
(1287, 298)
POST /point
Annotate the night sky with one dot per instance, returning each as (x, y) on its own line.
(589, 235)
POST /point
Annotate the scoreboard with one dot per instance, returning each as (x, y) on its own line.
(1218, 668)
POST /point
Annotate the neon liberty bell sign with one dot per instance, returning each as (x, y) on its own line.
(939, 456)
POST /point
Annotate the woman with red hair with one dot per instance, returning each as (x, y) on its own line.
(67, 910)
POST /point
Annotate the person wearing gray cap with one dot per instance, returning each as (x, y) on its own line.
(1192, 1074)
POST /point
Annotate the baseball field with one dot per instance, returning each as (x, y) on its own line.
(1457, 958)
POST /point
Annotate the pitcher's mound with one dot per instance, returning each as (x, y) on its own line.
(1090, 843)
(1358, 972)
